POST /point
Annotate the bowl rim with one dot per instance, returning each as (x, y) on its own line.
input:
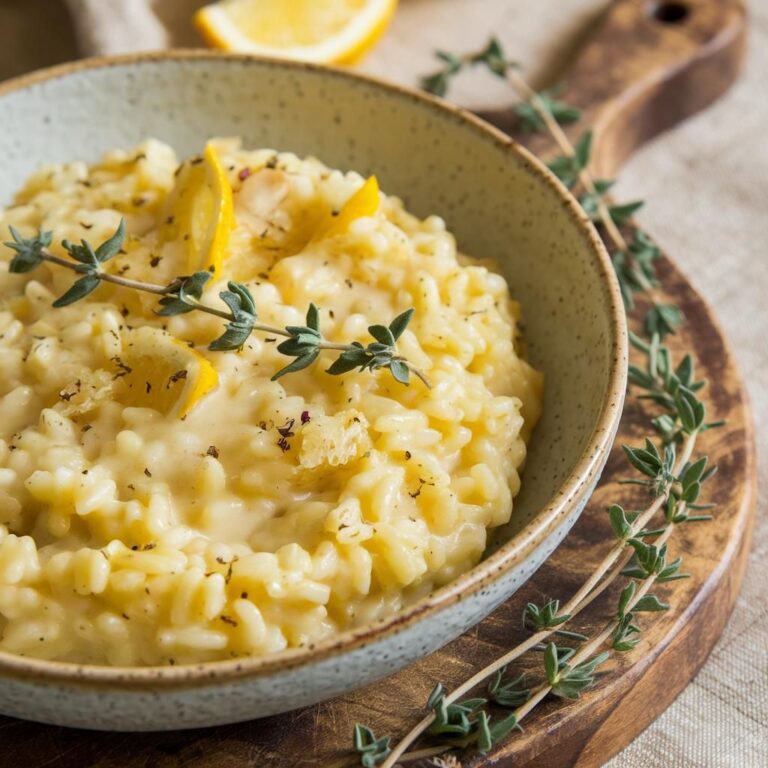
(547, 520)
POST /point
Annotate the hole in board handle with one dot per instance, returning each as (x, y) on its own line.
(670, 12)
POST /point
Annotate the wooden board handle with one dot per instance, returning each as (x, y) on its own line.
(649, 65)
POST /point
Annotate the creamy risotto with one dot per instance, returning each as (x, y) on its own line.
(162, 503)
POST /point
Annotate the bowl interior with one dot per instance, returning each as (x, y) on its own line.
(493, 199)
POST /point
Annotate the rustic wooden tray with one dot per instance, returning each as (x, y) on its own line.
(669, 67)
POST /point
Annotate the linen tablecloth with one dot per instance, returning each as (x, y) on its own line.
(706, 187)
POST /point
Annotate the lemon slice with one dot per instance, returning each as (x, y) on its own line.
(331, 31)
(161, 372)
(364, 202)
(202, 212)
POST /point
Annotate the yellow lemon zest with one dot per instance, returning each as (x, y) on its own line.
(364, 202)
(162, 372)
(202, 212)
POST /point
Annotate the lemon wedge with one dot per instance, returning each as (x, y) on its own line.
(364, 202)
(331, 31)
(161, 372)
(202, 212)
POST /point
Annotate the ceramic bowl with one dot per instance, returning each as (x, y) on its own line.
(499, 200)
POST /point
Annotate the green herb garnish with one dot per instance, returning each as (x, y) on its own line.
(184, 294)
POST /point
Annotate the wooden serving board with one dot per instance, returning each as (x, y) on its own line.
(639, 75)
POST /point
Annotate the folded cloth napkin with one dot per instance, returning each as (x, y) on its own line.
(117, 26)
(127, 26)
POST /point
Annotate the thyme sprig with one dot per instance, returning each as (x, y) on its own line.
(184, 294)
(665, 470)
(634, 259)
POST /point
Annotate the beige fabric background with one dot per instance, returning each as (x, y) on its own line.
(706, 184)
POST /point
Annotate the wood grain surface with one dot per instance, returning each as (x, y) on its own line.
(649, 65)
(638, 75)
(34, 34)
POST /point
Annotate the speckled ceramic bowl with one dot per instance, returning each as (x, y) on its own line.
(501, 203)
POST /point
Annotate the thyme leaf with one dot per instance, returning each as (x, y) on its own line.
(530, 117)
(371, 750)
(29, 251)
